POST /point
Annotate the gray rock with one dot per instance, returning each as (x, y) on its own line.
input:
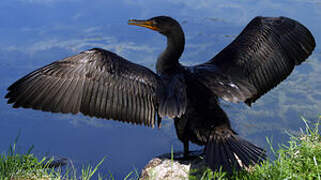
(166, 168)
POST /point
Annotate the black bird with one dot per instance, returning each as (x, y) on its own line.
(100, 83)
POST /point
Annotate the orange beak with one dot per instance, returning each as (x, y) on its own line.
(143, 23)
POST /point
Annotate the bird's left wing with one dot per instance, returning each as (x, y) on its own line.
(263, 55)
(95, 82)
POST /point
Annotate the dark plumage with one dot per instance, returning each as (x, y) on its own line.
(102, 84)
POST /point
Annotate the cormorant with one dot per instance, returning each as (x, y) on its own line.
(100, 83)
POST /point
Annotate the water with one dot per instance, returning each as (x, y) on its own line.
(34, 33)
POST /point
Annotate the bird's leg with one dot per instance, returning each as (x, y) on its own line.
(186, 152)
(186, 149)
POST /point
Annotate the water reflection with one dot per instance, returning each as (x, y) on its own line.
(36, 32)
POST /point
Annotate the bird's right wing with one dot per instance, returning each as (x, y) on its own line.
(95, 82)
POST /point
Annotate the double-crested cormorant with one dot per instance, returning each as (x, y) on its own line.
(100, 83)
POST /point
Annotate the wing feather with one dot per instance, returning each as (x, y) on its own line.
(262, 56)
(96, 83)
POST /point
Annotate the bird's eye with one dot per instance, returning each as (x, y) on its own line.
(155, 22)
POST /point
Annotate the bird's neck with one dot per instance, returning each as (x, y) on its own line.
(168, 60)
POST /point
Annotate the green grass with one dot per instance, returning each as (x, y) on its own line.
(300, 159)
(26, 166)
(22, 166)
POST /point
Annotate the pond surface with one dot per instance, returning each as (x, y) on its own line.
(34, 33)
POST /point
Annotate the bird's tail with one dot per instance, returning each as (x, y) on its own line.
(227, 150)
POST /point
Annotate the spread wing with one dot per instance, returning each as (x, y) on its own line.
(263, 55)
(95, 82)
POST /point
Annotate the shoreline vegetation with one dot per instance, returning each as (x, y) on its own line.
(299, 159)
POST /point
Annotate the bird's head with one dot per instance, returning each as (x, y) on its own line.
(163, 24)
